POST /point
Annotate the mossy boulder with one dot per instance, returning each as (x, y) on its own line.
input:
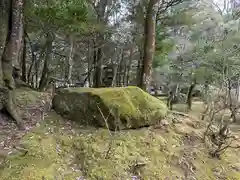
(116, 108)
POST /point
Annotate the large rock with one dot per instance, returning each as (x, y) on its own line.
(117, 108)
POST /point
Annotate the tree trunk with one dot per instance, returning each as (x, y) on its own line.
(17, 32)
(36, 63)
(24, 55)
(10, 55)
(205, 91)
(33, 56)
(90, 64)
(114, 78)
(139, 66)
(48, 56)
(149, 44)
(70, 61)
(101, 9)
(98, 61)
(120, 68)
(129, 66)
(126, 62)
(230, 102)
(190, 96)
(172, 96)
(237, 89)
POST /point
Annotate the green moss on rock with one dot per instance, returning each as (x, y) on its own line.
(123, 108)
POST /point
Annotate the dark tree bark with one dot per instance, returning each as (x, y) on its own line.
(139, 66)
(90, 64)
(149, 44)
(97, 80)
(13, 12)
(120, 69)
(102, 16)
(48, 56)
(70, 61)
(190, 94)
(172, 96)
(129, 66)
(24, 63)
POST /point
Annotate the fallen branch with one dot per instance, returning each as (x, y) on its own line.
(180, 113)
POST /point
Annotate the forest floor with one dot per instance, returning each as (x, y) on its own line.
(32, 105)
(55, 148)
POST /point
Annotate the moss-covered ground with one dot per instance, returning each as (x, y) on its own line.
(32, 105)
(60, 149)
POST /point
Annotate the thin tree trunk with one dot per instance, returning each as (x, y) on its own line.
(139, 66)
(190, 95)
(149, 44)
(33, 58)
(114, 74)
(48, 56)
(119, 70)
(172, 96)
(126, 62)
(237, 89)
(205, 92)
(98, 61)
(129, 66)
(70, 61)
(232, 107)
(90, 64)
(24, 63)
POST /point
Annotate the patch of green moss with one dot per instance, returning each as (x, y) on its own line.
(58, 146)
(126, 150)
(135, 107)
(26, 96)
(45, 156)
(98, 153)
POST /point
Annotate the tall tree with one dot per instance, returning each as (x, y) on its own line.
(11, 53)
(154, 9)
(149, 44)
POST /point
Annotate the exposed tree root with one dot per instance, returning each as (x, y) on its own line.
(8, 102)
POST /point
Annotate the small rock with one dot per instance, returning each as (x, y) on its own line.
(176, 121)
(236, 167)
(191, 178)
(217, 171)
(134, 178)
(80, 178)
(164, 122)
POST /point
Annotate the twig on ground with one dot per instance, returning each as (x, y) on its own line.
(111, 135)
